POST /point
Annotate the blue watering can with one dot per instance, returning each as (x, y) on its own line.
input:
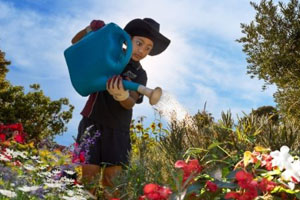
(100, 55)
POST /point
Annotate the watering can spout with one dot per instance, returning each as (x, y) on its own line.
(153, 94)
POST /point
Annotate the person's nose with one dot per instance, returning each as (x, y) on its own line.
(141, 50)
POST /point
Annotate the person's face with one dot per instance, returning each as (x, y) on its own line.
(141, 47)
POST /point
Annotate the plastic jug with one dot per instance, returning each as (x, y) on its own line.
(100, 55)
(97, 57)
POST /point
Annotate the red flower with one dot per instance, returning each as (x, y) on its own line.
(155, 192)
(266, 186)
(19, 138)
(149, 188)
(16, 127)
(2, 137)
(248, 195)
(267, 161)
(191, 168)
(232, 195)
(81, 157)
(244, 179)
(76, 182)
(211, 186)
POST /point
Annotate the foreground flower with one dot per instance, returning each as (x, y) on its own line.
(211, 186)
(29, 189)
(266, 185)
(190, 169)
(155, 192)
(281, 158)
(8, 193)
(248, 184)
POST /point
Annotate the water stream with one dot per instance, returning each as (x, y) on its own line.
(169, 108)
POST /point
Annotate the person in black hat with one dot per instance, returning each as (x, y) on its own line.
(110, 112)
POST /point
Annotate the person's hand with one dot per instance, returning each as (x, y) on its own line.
(115, 87)
(96, 24)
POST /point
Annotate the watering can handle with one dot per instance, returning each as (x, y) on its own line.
(127, 53)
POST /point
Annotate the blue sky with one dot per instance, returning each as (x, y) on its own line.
(203, 63)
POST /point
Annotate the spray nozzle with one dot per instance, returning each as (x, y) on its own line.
(153, 94)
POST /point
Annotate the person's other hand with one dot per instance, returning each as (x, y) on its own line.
(115, 87)
(96, 24)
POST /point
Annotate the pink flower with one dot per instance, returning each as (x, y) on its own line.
(211, 186)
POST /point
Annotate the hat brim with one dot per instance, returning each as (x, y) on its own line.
(160, 42)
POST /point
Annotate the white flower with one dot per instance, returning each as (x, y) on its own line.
(15, 154)
(281, 158)
(56, 171)
(79, 186)
(45, 174)
(69, 172)
(8, 193)
(43, 167)
(70, 192)
(29, 167)
(28, 189)
(22, 154)
(74, 198)
(291, 185)
(4, 158)
(54, 185)
(66, 180)
(35, 157)
(292, 170)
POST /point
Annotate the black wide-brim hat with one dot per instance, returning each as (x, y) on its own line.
(148, 28)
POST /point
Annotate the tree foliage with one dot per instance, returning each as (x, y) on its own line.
(40, 116)
(272, 46)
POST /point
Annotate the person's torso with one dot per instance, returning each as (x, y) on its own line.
(103, 109)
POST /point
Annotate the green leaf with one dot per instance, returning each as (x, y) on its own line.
(231, 175)
(225, 171)
(194, 188)
(298, 195)
(213, 145)
(222, 184)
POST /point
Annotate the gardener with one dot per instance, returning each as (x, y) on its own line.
(110, 112)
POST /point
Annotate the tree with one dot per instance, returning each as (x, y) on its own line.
(272, 46)
(268, 111)
(3, 70)
(40, 116)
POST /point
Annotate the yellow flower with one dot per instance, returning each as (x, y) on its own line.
(44, 153)
(153, 126)
(145, 136)
(139, 127)
(31, 145)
